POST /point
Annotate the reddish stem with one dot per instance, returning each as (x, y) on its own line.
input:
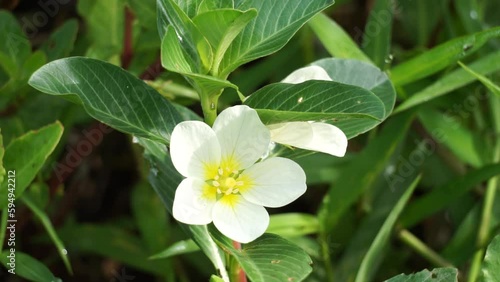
(127, 39)
(241, 273)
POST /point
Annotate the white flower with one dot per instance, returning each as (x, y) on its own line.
(314, 136)
(224, 182)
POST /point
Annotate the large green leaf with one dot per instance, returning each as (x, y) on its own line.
(27, 154)
(491, 264)
(165, 179)
(364, 75)
(61, 41)
(111, 95)
(440, 57)
(338, 43)
(314, 100)
(29, 268)
(368, 266)
(358, 175)
(269, 258)
(436, 275)
(275, 24)
(452, 81)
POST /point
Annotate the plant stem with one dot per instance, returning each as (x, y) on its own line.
(209, 107)
(325, 253)
(420, 247)
(236, 272)
(483, 235)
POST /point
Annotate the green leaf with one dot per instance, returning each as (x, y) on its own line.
(440, 57)
(214, 278)
(364, 75)
(378, 32)
(221, 27)
(336, 41)
(27, 154)
(174, 58)
(113, 243)
(314, 100)
(293, 224)
(190, 8)
(452, 81)
(209, 5)
(491, 263)
(441, 197)
(150, 217)
(419, 20)
(14, 47)
(436, 275)
(178, 248)
(368, 266)
(104, 21)
(358, 175)
(459, 139)
(164, 178)
(269, 258)
(195, 46)
(274, 26)
(44, 219)
(111, 95)
(145, 11)
(29, 268)
(61, 41)
(484, 80)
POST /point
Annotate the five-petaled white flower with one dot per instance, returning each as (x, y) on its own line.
(225, 184)
(314, 136)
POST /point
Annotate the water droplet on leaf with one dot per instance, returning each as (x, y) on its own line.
(300, 100)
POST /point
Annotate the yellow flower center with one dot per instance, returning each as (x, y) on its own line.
(225, 180)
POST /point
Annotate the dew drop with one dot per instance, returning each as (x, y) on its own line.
(300, 100)
(359, 102)
(389, 59)
(64, 252)
(473, 14)
(467, 47)
(212, 106)
(154, 170)
(135, 140)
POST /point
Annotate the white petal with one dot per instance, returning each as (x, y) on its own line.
(194, 148)
(242, 136)
(274, 182)
(291, 132)
(316, 136)
(193, 202)
(328, 139)
(307, 73)
(239, 219)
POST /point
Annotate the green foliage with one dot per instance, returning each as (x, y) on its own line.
(436, 275)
